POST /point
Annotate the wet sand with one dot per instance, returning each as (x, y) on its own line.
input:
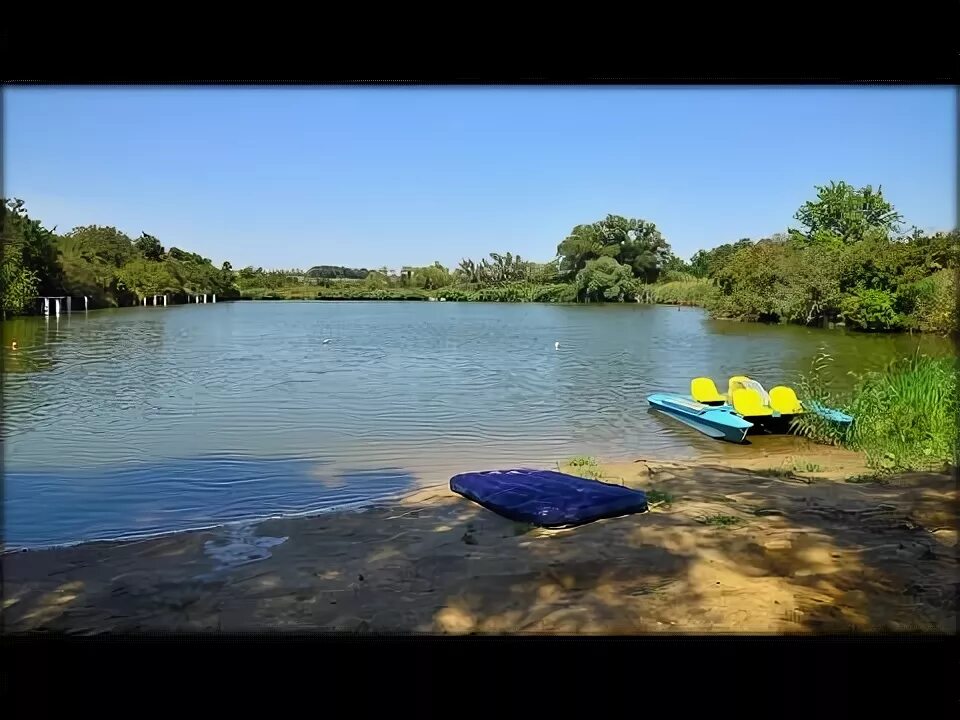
(776, 540)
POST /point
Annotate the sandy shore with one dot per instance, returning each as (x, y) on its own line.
(774, 541)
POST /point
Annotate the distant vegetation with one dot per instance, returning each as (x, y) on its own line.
(335, 271)
(102, 263)
(849, 262)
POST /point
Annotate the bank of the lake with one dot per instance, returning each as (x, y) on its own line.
(781, 541)
(151, 420)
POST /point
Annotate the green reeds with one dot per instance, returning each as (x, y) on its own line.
(905, 416)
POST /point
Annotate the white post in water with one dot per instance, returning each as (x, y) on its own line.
(57, 305)
(69, 304)
(154, 300)
(164, 300)
(86, 303)
(204, 298)
(46, 306)
(144, 300)
(214, 297)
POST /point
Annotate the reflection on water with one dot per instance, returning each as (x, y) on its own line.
(102, 408)
(69, 504)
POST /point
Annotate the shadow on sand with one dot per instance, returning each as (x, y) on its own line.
(722, 550)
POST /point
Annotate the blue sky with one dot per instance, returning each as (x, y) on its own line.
(293, 177)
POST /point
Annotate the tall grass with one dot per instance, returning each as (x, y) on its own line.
(905, 416)
(698, 292)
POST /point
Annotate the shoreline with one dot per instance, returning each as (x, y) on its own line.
(833, 326)
(770, 542)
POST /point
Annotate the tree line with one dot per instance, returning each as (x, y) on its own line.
(849, 261)
(101, 263)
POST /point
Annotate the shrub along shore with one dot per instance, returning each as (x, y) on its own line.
(849, 262)
(905, 416)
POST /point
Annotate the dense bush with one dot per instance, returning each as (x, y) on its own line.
(865, 309)
(699, 292)
(936, 302)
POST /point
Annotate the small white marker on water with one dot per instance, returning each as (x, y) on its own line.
(326, 340)
(556, 345)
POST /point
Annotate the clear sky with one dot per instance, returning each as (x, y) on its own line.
(366, 176)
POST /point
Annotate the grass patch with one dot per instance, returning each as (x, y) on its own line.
(874, 478)
(723, 521)
(658, 497)
(905, 416)
(585, 466)
(807, 467)
(780, 472)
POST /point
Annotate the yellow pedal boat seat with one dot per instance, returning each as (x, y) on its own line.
(703, 390)
(784, 400)
(742, 382)
(749, 403)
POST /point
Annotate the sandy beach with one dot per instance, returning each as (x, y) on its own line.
(769, 542)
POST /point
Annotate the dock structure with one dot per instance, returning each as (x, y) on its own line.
(56, 304)
(45, 303)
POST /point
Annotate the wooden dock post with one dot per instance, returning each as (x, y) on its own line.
(154, 300)
(57, 306)
(46, 307)
(204, 298)
(214, 297)
(86, 303)
(164, 300)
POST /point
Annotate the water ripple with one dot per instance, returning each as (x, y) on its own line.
(145, 420)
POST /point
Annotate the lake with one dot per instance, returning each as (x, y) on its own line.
(137, 421)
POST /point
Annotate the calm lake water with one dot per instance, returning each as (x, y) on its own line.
(145, 420)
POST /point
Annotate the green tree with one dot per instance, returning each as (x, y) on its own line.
(469, 272)
(845, 214)
(36, 249)
(633, 242)
(149, 247)
(871, 309)
(431, 277)
(145, 277)
(376, 280)
(18, 283)
(605, 279)
(583, 244)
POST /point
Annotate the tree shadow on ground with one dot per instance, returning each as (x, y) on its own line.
(723, 551)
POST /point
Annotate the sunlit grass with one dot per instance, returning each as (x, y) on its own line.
(585, 466)
(905, 416)
(659, 497)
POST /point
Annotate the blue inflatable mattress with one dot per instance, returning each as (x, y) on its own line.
(547, 498)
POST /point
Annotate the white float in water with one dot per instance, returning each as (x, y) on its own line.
(556, 345)
(326, 340)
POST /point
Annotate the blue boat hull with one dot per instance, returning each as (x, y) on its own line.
(719, 422)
